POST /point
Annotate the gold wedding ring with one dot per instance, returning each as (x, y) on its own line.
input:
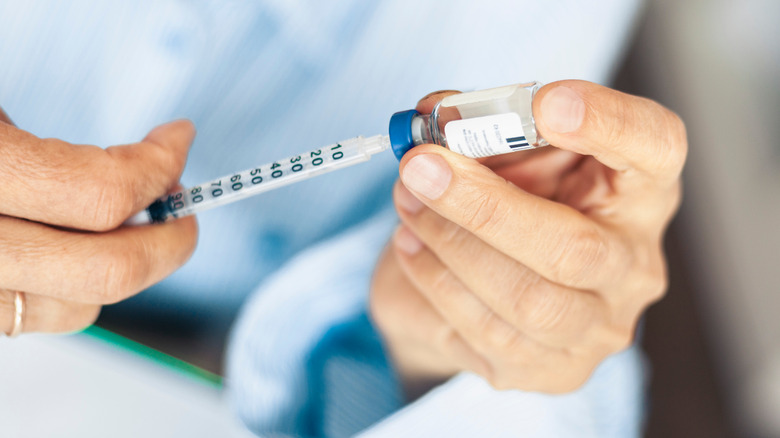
(19, 305)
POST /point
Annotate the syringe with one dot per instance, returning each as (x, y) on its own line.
(476, 124)
(250, 182)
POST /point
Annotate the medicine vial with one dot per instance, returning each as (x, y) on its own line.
(475, 124)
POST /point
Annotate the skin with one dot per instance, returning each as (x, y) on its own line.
(62, 206)
(528, 269)
(531, 268)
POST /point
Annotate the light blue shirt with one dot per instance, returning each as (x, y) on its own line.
(265, 80)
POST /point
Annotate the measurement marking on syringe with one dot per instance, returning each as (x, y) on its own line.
(262, 178)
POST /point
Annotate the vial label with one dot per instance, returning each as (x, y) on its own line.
(487, 135)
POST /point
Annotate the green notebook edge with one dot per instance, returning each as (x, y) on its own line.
(185, 368)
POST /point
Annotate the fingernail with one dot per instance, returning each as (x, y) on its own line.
(406, 241)
(563, 109)
(428, 175)
(406, 200)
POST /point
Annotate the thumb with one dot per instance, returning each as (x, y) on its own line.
(157, 162)
(104, 186)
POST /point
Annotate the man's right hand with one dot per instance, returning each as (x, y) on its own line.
(62, 207)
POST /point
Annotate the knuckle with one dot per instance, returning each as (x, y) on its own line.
(665, 128)
(451, 238)
(442, 282)
(450, 235)
(544, 315)
(122, 273)
(111, 205)
(617, 123)
(445, 337)
(498, 335)
(537, 309)
(578, 257)
(482, 212)
(103, 201)
(108, 197)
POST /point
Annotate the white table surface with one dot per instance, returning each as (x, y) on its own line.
(82, 386)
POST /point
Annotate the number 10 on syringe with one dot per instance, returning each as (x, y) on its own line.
(260, 179)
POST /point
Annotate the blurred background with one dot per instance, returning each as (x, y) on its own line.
(713, 344)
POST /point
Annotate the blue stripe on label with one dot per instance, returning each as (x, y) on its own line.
(517, 142)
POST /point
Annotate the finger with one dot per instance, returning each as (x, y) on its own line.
(552, 239)
(622, 131)
(597, 191)
(482, 329)
(46, 314)
(90, 267)
(537, 171)
(546, 311)
(86, 187)
(409, 322)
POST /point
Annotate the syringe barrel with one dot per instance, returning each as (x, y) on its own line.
(256, 180)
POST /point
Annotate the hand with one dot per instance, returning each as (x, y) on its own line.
(531, 268)
(62, 206)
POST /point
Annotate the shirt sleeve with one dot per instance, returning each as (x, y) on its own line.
(609, 405)
(304, 358)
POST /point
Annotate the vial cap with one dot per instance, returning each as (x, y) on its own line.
(401, 138)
